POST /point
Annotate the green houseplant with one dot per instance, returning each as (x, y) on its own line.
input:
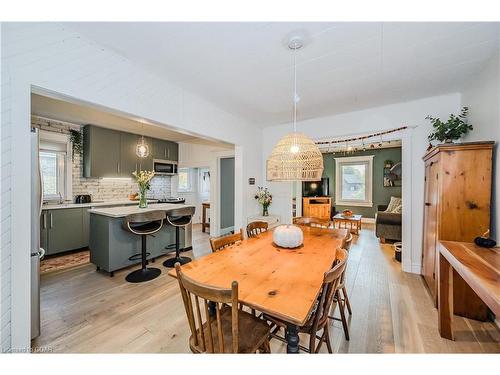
(448, 131)
(143, 179)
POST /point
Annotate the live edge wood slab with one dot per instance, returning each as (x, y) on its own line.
(479, 267)
(280, 282)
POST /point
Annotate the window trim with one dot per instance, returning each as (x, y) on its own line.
(191, 188)
(368, 202)
(48, 136)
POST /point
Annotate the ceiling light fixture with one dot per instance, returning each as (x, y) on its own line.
(142, 148)
(295, 157)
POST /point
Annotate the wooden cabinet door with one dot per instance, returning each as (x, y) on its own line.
(65, 230)
(128, 159)
(430, 227)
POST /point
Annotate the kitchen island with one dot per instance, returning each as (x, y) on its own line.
(113, 248)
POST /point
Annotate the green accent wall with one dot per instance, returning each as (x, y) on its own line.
(381, 194)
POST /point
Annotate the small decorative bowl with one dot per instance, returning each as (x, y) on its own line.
(288, 236)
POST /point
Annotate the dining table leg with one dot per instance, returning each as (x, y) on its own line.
(445, 298)
(292, 339)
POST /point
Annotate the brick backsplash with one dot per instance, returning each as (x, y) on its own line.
(104, 189)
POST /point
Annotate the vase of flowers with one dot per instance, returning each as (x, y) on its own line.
(453, 129)
(264, 198)
(143, 179)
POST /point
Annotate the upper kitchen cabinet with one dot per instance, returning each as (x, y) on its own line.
(146, 164)
(129, 161)
(110, 153)
(101, 152)
(165, 150)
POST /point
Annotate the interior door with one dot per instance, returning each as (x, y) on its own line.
(430, 226)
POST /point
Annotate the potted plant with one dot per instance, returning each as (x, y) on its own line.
(264, 198)
(453, 129)
(143, 179)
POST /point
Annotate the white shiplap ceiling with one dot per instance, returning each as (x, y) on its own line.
(245, 68)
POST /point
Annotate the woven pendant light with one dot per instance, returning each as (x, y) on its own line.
(295, 157)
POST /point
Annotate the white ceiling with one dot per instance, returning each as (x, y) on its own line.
(79, 114)
(245, 68)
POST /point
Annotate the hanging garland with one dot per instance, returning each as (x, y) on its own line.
(361, 138)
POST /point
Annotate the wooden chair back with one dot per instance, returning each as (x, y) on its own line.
(202, 333)
(313, 222)
(348, 242)
(256, 227)
(219, 243)
(331, 280)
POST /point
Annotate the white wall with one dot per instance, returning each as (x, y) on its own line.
(415, 142)
(482, 96)
(193, 155)
(58, 60)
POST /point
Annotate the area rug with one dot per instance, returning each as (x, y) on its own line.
(57, 263)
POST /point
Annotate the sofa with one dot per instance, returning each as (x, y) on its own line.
(387, 224)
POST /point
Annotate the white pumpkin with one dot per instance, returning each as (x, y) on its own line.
(288, 236)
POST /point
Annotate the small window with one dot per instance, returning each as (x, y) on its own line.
(185, 180)
(53, 167)
(353, 182)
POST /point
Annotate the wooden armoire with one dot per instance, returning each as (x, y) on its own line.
(458, 180)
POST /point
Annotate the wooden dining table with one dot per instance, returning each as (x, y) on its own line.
(283, 283)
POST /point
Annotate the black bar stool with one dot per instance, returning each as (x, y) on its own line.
(179, 218)
(143, 224)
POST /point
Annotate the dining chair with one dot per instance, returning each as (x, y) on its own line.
(318, 319)
(218, 243)
(341, 296)
(313, 222)
(256, 227)
(228, 329)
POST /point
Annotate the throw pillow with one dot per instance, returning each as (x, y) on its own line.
(398, 209)
(393, 204)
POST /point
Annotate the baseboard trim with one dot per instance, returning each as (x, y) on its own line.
(368, 220)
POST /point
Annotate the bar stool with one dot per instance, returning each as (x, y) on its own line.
(143, 224)
(179, 218)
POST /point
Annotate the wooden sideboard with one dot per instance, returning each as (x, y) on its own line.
(457, 208)
(320, 207)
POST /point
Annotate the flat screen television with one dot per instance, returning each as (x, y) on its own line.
(316, 188)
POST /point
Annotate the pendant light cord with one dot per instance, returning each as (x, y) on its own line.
(295, 88)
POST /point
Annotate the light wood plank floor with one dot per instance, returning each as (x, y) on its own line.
(84, 311)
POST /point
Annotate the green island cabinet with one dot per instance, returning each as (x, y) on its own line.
(111, 153)
(64, 229)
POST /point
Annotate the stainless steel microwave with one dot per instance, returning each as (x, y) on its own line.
(165, 167)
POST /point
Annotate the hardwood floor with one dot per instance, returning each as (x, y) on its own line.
(84, 311)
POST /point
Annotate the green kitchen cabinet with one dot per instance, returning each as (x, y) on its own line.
(44, 235)
(64, 230)
(85, 226)
(173, 151)
(101, 152)
(129, 161)
(165, 150)
(146, 164)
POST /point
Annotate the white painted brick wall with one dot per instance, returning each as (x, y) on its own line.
(104, 189)
(5, 207)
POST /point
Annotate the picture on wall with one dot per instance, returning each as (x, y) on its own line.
(392, 174)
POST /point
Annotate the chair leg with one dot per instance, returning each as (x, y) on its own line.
(342, 317)
(327, 339)
(346, 299)
(266, 347)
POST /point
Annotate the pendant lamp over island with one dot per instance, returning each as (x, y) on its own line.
(295, 157)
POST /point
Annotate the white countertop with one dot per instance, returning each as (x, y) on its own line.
(129, 210)
(122, 202)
